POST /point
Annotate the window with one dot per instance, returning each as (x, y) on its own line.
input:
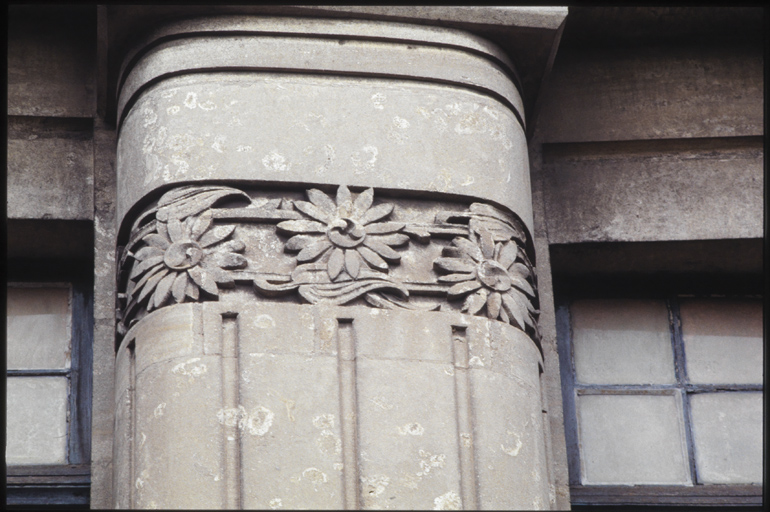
(663, 400)
(48, 393)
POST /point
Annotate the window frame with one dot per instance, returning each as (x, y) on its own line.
(66, 485)
(593, 495)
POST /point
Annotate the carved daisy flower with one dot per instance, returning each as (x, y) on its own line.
(490, 275)
(347, 231)
(184, 257)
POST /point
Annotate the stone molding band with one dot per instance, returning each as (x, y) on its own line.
(341, 249)
(303, 46)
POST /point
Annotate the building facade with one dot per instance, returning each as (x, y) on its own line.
(385, 257)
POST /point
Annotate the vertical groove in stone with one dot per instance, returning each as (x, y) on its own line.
(346, 358)
(231, 401)
(132, 425)
(468, 484)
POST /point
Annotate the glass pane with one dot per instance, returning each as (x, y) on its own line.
(36, 415)
(632, 439)
(38, 329)
(727, 432)
(722, 341)
(622, 342)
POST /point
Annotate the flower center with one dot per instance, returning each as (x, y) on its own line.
(182, 255)
(345, 232)
(493, 275)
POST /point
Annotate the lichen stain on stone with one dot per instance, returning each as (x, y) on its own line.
(194, 371)
(323, 421)
(475, 361)
(378, 100)
(275, 503)
(316, 476)
(448, 501)
(328, 443)
(191, 100)
(142, 479)
(513, 452)
(412, 429)
(150, 117)
(159, 410)
(264, 322)
(466, 439)
(275, 161)
(260, 421)
(373, 486)
(429, 461)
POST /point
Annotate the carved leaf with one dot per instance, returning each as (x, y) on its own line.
(520, 269)
(352, 262)
(208, 283)
(455, 278)
(508, 253)
(231, 261)
(453, 265)
(314, 211)
(377, 213)
(221, 277)
(301, 226)
(382, 249)
(176, 230)
(215, 235)
(149, 286)
(179, 286)
(147, 252)
(372, 258)
(336, 262)
(362, 203)
(394, 239)
(469, 248)
(297, 242)
(494, 301)
(233, 246)
(321, 200)
(196, 275)
(191, 290)
(462, 288)
(475, 302)
(382, 228)
(487, 243)
(344, 201)
(522, 285)
(517, 311)
(422, 235)
(201, 224)
(162, 292)
(146, 278)
(156, 240)
(145, 265)
(313, 250)
(182, 202)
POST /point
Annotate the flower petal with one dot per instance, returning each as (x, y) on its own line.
(394, 239)
(179, 286)
(176, 230)
(455, 278)
(463, 288)
(522, 285)
(504, 316)
(475, 302)
(150, 284)
(453, 265)
(507, 254)
(297, 242)
(494, 301)
(162, 291)
(372, 258)
(362, 203)
(150, 262)
(313, 250)
(146, 277)
(487, 243)
(201, 224)
(469, 248)
(301, 226)
(322, 201)
(156, 240)
(352, 262)
(192, 290)
(376, 213)
(382, 228)
(208, 283)
(336, 262)
(196, 275)
(221, 277)
(382, 249)
(233, 246)
(147, 252)
(215, 235)
(230, 260)
(516, 311)
(344, 201)
(519, 269)
(314, 211)
(162, 230)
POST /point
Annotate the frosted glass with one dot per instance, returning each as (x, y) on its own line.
(38, 328)
(722, 341)
(36, 420)
(727, 433)
(632, 439)
(622, 342)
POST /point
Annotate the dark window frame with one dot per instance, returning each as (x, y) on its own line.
(61, 485)
(590, 496)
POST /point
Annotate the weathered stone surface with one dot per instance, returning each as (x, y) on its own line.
(652, 93)
(50, 169)
(639, 193)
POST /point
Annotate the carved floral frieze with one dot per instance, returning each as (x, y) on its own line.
(346, 249)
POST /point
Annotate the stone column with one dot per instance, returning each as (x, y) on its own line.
(327, 294)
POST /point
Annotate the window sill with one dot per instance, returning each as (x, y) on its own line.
(670, 495)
